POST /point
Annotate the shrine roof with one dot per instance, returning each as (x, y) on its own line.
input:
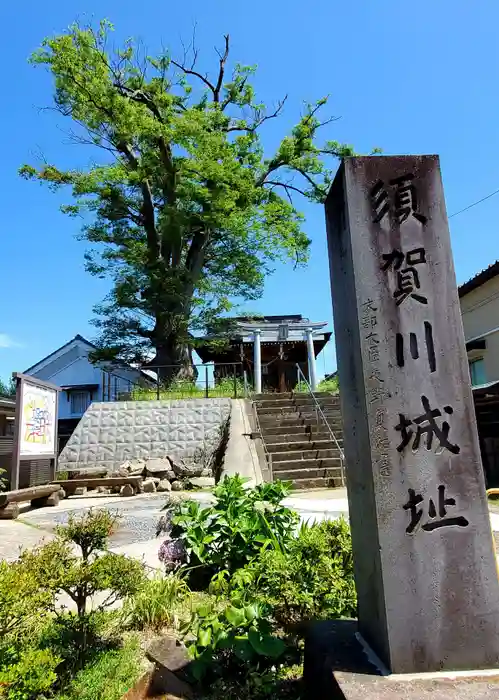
(480, 278)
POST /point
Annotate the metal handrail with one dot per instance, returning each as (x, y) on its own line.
(318, 410)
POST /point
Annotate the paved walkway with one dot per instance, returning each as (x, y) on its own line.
(136, 534)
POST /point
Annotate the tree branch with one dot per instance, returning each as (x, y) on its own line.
(148, 212)
(287, 187)
(223, 58)
(187, 71)
(259, 121)
(307, 177)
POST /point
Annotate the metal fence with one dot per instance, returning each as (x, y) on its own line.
(210, 380)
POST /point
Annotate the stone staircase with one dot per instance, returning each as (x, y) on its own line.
(297, 440)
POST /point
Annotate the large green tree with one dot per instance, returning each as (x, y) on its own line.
(186, 210)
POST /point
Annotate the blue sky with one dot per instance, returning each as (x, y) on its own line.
(416, 77)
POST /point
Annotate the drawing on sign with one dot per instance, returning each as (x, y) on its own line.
(426, 425)
(414, 347)
(437, 516)
(404, 200)
(407, 277)
(38, 420)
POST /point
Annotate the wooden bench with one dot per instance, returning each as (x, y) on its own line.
(47, 495)
(70, 485)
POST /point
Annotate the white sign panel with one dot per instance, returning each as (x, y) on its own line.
(38, 421)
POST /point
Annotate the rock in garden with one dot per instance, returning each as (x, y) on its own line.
(207, 472)
(148, 486)
(177, 486)
(182, 467)
(163, 485)
(127, 490)
(173, 499)
(80, 491)
(202, 482)
(159, 466)
(120, 472)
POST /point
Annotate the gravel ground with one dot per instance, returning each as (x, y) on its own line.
(137, 523)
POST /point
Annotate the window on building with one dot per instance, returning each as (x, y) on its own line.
(477, 372)
(80, 401)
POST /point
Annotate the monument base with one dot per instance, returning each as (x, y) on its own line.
(340, 666)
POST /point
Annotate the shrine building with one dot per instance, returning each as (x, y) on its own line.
(266, 350)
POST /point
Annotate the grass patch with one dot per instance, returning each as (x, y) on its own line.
(109, 675)
(157, 603)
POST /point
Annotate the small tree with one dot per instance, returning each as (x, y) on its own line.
(95, 571)
(8, 389)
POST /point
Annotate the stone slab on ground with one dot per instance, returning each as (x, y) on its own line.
(338, 668)
(354, 686)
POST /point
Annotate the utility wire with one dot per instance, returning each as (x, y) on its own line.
(474, 204)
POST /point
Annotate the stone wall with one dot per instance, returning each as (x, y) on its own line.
(111, 433)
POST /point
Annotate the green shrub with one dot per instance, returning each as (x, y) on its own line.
(312, 580)
(109, 676)
(156, 604)
(23, 604)
(237, 641)
(332, 385)
(58, 569)
(229, 534)
(25, 671)
(26, 674)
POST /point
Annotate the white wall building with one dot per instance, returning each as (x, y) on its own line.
(81, 381)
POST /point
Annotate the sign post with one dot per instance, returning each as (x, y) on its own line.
(425, 568)
(35, 434)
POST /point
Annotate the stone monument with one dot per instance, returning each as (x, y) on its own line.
(425, 568)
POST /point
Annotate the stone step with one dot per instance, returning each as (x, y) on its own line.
(308, 473)
(321, 483)
(275, 396)
(289, 406)
(272, 435)
(298, 419)
(297, 455)
(294, 464)
(300, 445)
(294, 412)
(293, 426)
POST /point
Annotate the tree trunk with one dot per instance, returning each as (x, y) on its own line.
(173, 360)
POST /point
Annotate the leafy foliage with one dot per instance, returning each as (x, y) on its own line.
(238, 639)
(312, 580)
(25, 670)
(186, 210)
(27, 674)
(8, 389)
(23, 603)
(228, 534)
(155, 605)
(331, 385)
(58, 569)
